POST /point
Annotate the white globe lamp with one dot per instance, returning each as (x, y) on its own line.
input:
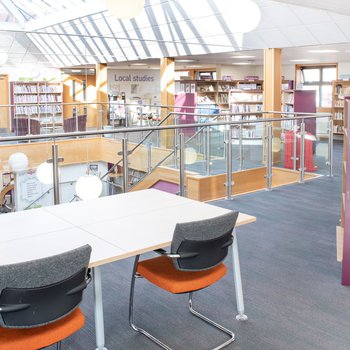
(44, 173)
(88, 187)
(244, 15)
(18, 162)
(125, 9)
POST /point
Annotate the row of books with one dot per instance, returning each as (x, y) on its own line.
(50, 88)
(242, 108)
(20, 89)
(50, 98)
(26, 98)
(244, 97)
(29, 110)
(339, 115)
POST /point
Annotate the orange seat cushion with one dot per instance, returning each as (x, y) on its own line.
(40, 337)
(161, 272)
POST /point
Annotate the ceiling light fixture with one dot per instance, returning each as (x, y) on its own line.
(323, 51)
(300, 60)
(185, 60)
(138, 64)
(242, 56)
(242, 63)
(125, 9)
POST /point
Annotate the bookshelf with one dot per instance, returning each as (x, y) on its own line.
(208, 92)
(247, 97)
(40, 100)
(340, 89)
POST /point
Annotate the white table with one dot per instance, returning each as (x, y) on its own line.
(116, 227)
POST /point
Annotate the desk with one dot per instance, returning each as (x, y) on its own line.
(116, 227)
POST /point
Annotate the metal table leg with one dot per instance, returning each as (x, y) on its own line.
(238, 281)
(99, 326)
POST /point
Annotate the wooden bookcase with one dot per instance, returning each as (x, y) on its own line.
(340, 89)
(40, 100)
(247, 97)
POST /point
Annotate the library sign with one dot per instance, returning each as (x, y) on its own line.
(134, 78)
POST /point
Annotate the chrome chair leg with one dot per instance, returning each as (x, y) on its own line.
(211, 322)
(59, 345)
(131, 310)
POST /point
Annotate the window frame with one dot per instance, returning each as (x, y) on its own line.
(320, 83)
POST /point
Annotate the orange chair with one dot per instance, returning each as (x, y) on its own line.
(39, 300)
(194, 263)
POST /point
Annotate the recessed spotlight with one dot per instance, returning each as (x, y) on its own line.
(323, 51)
(243, 56)
(184, 61)
(242, 63)
(138, 64)
(300, 60)
(76, 70)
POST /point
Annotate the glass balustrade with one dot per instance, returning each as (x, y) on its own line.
(123, 159)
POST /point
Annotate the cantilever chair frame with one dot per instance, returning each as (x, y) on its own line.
(175, 256)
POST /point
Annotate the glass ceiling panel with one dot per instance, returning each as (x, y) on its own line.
(32, 9)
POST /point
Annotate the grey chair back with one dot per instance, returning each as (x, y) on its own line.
(41, 291)
(203, 244)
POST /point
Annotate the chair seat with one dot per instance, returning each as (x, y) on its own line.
(161, 272)
(40, 337)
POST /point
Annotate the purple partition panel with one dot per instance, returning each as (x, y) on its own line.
(188, 100)
(305, 101)
(346, 243)
(166, 186)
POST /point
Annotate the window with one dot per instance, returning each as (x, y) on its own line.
(319, 79)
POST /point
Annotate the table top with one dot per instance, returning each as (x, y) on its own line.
(116, 227)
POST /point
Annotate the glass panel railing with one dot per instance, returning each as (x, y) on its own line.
(248, 145)
(317, 149)
(154, 162)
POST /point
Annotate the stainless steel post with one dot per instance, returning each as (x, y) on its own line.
(125, 164)
(295, 158)
(330, 147)
(149, 156)
(76, 120)
(182, 164)
(56, 180)
(101, 117)
(228, 143)
(269, 158)
(302, 152)
(240, 147)
(29, 127)
(176, 140)
(207, 150)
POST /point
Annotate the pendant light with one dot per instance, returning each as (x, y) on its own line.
(125, 9)
(88, 187)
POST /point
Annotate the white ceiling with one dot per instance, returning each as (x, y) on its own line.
(199, 28)
(338, 6)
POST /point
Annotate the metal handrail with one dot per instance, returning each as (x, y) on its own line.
(135, 147)
(166, 127)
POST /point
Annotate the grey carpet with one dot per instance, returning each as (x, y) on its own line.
(293, 296)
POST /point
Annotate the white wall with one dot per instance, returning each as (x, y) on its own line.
(28, 187)
(31, 73)
(140, 83)
(343, 68)
(239, 72)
